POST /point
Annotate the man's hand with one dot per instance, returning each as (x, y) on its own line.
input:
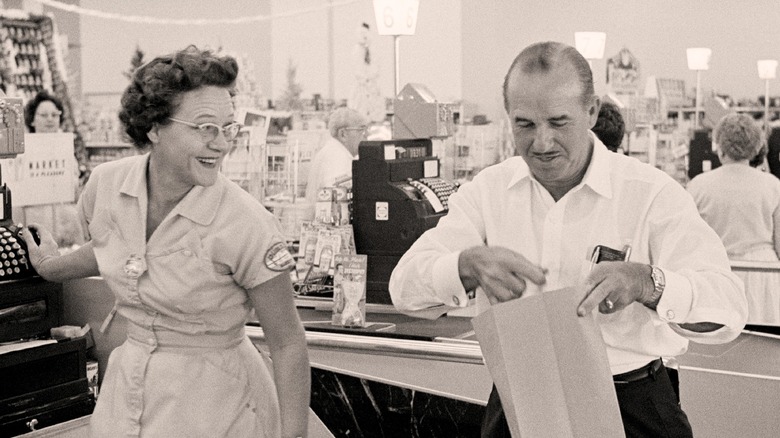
(614, 285)
(500, 272)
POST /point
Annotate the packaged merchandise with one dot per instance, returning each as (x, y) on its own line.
(92, 377)
(349, 290)
(328, 245)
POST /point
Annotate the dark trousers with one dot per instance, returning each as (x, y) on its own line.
(649, 408)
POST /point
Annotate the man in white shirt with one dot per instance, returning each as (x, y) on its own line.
(333, 162)
(531, 223)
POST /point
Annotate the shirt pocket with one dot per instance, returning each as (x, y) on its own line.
(182, 274)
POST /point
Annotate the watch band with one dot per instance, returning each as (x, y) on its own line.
(659, 283)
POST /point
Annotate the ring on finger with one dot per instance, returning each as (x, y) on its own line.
(610, 305)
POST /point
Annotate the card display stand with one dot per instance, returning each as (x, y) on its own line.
(30, 63)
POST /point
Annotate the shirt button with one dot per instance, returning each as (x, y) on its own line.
(456, 300)
(151, 341)
(187, 252)
(670, 314)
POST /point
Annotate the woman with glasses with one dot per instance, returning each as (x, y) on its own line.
(188, 255)
(43, 114)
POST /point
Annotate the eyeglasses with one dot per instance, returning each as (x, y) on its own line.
(210, 131)
(360, 129)
(49, 115)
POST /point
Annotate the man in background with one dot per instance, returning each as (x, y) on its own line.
(332, 164)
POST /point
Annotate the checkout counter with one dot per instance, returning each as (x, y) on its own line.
(428, 377)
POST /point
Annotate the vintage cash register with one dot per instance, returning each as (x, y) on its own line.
(397, 194)
(42, 382)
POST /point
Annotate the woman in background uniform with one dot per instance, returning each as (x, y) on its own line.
(742, 204)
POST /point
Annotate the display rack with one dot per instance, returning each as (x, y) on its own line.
(101, 129)
(30, 62)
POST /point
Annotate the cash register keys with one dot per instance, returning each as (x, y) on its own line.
(13, 258)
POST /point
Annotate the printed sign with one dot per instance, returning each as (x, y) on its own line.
(45, 173)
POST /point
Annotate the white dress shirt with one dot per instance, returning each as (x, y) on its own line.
(331, 163)
(620, 201)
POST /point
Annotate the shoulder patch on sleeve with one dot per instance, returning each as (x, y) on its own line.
(278, 258)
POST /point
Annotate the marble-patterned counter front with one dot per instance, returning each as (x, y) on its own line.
(439, 387)
(358, 407)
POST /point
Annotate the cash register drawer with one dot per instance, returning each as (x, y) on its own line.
(43, 385)
(47, 415)
(29, 308)
(44, 367)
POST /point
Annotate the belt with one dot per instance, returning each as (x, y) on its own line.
(649, 370)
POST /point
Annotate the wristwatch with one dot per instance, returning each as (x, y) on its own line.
(659, 283)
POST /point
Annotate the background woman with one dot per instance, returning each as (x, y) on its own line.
(188, 254)
(43, 114)
(742, 204)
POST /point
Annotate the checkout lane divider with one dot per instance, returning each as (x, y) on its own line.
(730, 373)
(326, 304)
(443, 349)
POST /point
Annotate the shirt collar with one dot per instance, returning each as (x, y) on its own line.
(199, 205)
(597, 177)
(135, 182)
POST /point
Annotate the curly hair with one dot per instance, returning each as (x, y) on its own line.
(738, 136)
(610, 127)
(153, 93)
(32, 107)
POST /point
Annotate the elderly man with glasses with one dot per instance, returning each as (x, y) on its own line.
(332, 164)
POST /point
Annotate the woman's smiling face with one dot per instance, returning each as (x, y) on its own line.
(181, 150)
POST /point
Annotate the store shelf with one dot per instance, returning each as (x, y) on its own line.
(25, 65)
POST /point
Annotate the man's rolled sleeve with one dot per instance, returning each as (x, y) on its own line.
(446, 281)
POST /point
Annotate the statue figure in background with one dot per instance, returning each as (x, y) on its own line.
(366, 98)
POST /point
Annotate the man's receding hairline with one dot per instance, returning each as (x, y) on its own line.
(566, 67)
(527, 62)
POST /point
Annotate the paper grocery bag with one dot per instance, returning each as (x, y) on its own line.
(550, 367)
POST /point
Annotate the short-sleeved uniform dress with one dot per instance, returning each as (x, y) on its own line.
(187, 368)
